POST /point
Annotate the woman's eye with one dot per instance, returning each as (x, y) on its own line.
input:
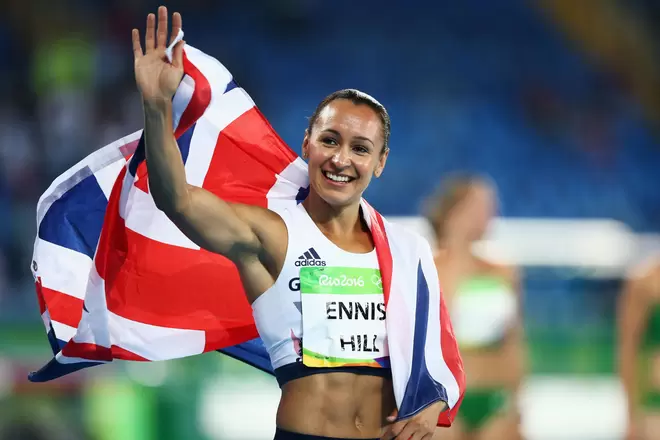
(329, 141)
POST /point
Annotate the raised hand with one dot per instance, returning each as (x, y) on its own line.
(157, 78)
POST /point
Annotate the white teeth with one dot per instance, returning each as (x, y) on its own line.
(336, 177)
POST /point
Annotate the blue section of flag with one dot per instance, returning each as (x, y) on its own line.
(54, 369)
(231, 86)
(302, 195)
(138, 157)
(140, 152)
(56, 345)
(253, 353)
(74, 221)
(422, 390)
(184, 142)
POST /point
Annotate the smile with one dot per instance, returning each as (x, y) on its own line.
(338, 178)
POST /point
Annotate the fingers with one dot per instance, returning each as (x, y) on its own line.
(422, 435)
(156, 35)
(137, 47)
(177, 54)
(392, 431)
(150, 35)
(407, 432)
(176, 26)
(414, 431)
(162, 27)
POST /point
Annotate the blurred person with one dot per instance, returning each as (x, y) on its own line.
(345, 144)
(639, 349)
(484, 302)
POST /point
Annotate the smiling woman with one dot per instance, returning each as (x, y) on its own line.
(317, 260)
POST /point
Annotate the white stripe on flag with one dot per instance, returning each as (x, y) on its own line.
(181, 99)
(153, 342)
(74, 360)
(215, 73)
(435, 362)
(93, 326)
(45, 317)
(62, 331)
(106, 177)
(127, 186)
(283, 193)
(62, 269)
(148, 221)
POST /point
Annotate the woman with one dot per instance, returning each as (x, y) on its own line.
(346, 144)
(639, 350)
(484, 301)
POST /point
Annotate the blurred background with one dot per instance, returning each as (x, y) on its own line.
(558, 101)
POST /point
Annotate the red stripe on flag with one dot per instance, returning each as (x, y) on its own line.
(63, 308)
(111, 233)
(246, 159)
(87, 351)
(169, 286)
(452, 358)
(252, 133)
(221, 337)
(383, 251)
(40, 296)
(122, 353)
(141, 181)
(199, 101)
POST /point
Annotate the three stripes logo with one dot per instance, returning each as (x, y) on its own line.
(310, 258)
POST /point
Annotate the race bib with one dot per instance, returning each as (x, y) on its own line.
(343, 317)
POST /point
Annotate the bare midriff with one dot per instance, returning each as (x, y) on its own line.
(343, 405)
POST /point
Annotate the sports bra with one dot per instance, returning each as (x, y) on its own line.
(338, 291)
(483, 310)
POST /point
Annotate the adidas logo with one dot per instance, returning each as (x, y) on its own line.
(310, 258)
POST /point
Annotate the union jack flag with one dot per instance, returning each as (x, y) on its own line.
(116, 279)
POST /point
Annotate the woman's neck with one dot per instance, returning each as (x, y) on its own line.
(333, 221)
(460, 250)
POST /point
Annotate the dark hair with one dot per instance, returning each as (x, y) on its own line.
(356, 97)
(450, 193)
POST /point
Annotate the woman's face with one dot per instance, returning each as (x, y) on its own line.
(344, 150)
(480, 206)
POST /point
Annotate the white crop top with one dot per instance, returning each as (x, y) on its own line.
(484, 309)
(349, 321)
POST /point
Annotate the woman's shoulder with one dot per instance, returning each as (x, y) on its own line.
(646, 275)
(648, 268)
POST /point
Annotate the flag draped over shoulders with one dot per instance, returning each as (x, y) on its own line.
(115, 278)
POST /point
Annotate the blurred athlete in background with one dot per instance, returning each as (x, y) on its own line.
(484, 300)
(639, 350)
